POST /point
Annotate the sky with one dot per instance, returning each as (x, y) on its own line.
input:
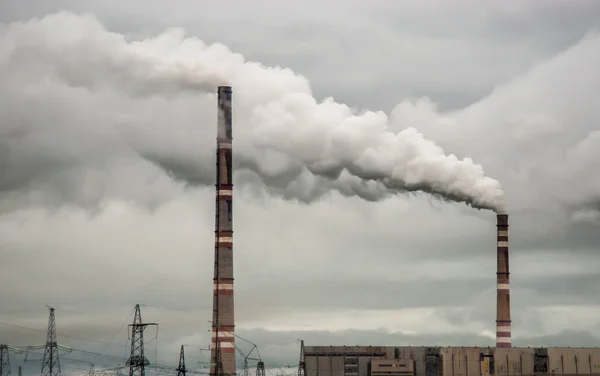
(107, 136)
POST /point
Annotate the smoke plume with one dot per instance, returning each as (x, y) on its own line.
(284, 138)
(82, 53)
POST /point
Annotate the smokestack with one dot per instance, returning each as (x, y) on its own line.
(503, 336)
(223, 339)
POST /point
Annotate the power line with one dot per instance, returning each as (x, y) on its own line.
(163, 369)
(118, 331)
(120, 360)
(59, 334)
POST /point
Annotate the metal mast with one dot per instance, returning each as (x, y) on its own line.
(51, 363)
(301, 362)
(223, 337)
(249, 355)
(181, 370)
(260, 368)
(137, 361)
(5, 359)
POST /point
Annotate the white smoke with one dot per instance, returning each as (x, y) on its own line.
(298, 147)
(82, 53)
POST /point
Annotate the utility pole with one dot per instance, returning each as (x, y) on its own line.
(301, 362)
(181, 370)
(5, 358)
(137, 361)
(51, 363)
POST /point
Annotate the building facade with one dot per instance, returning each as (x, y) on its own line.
(449, 361)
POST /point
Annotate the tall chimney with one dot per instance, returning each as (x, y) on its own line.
(503, 336)
(223, 339)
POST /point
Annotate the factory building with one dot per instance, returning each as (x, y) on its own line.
(501, 360)
(449, 361)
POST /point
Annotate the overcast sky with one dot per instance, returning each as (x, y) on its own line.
(106, 198)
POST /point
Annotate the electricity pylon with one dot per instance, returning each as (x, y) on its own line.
(50, 364)
(5, 358)
(181, 370)
(301, 362)
(137, 361)
(260, 368)
(249, 356)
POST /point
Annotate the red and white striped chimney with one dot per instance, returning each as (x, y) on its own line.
(223, 324)
(503, 334)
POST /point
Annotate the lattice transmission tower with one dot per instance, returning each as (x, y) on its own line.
(51, 362)
(301, 362)
(137, 361)
(260, 369)
(5, 358)
(249, 356)
(181, 370)
(4, 361)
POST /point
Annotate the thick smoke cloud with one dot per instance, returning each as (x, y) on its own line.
(299, 147)
(81, 53)
(58, 146)
(538, 133)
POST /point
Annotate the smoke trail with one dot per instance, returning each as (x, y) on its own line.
(299, 148)
(82, 53)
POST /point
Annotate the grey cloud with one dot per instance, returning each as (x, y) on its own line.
(409, 247)
(345, 292)
(67, 162)
(305, 187)
(269, 280)
(521, 35)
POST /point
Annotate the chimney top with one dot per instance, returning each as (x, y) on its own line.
(502, 220)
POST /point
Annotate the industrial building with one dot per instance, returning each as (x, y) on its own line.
(502, 360)
(449, 361)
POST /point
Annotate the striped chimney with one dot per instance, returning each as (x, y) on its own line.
(503, 336)
(223, 339)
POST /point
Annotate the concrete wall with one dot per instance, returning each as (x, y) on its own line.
(455, 361)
